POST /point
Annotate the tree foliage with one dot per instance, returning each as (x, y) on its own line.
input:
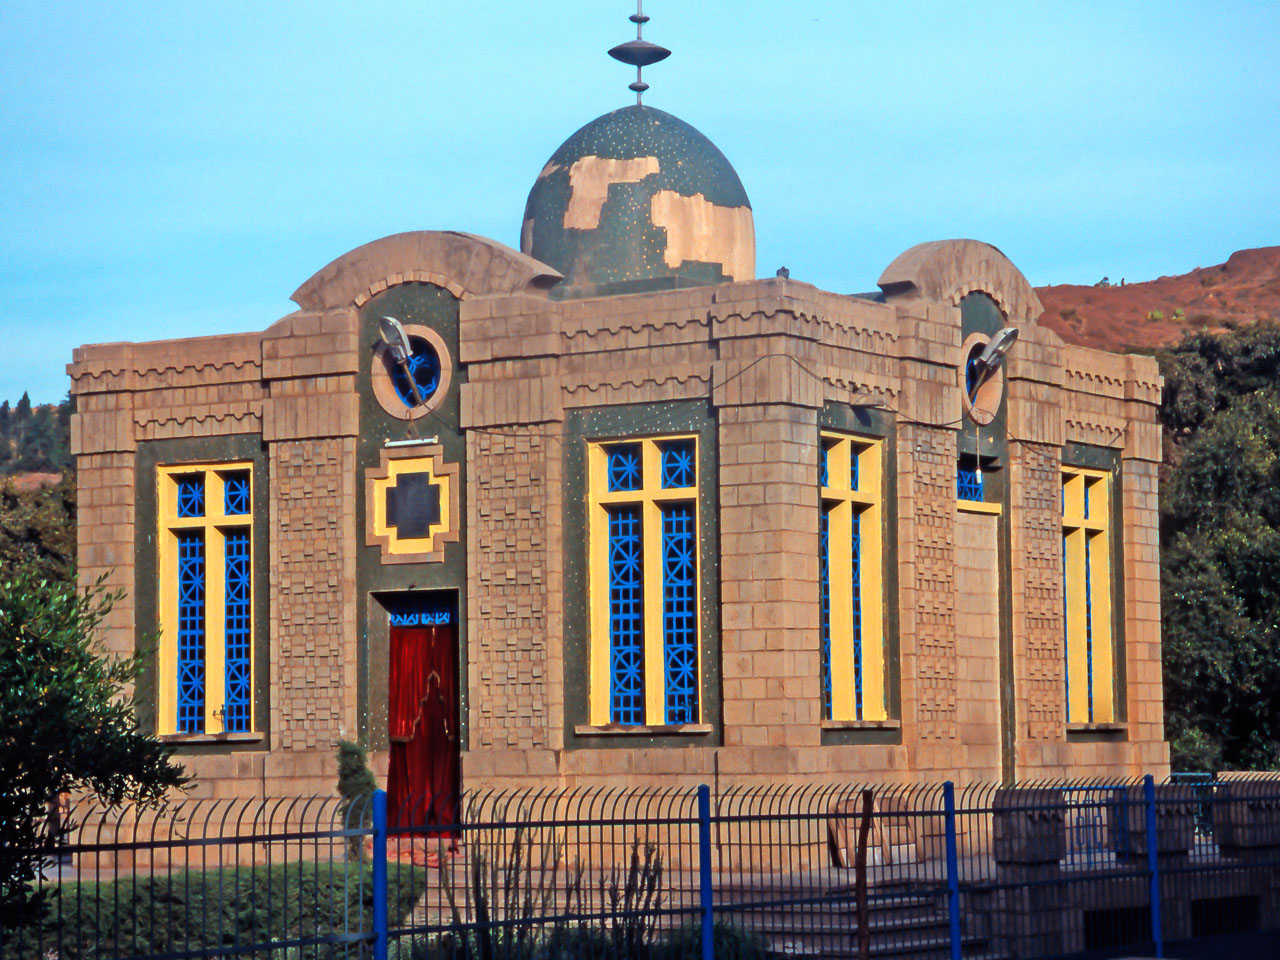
(35, 439)
(66, 722)
(38, 528)
(1220, 549)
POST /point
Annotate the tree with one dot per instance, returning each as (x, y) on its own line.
(38, 440)
(66, 724)
(1220, 549)
(35, 439)
(38, 529)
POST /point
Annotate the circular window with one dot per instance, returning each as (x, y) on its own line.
(423, 366)
(980, 401)
(971, 368)
(430, 368)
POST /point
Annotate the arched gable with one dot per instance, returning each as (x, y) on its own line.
(945, 271)
(463, 263)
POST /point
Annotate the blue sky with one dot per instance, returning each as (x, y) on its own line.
(177, 169)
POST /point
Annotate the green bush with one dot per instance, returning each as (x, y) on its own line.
(592, 941)
(356, 786)
(729, 943)
(194, 910)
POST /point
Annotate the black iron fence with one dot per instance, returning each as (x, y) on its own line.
(1041, 870)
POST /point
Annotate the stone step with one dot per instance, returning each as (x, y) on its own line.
(826, 917)
(916, 948)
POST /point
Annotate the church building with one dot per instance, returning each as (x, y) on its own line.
(624, 513)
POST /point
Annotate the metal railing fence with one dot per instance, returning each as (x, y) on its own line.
(1048, 869)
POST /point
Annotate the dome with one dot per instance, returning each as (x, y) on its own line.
(639, 200)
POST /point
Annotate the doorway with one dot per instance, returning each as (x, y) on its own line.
(422, 710)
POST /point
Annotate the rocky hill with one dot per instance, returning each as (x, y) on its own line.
(1143, 316)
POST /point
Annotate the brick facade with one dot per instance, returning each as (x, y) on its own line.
(767, 361)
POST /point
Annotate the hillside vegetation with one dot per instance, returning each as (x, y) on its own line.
(37, 490)
(1117, 315)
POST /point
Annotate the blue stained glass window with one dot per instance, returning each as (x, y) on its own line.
(677, 464)
(968, 480)
(191, 495)
(857, 614)
(1088, 616)
(626, 617)
(679, 612)
(624, 466)
(971, 369)
(823, 452)
(853, 468)
(1086, 499)
(239, 595)
(824, 575)
(424, 367)
(191, 631)
(421, 610)
(235, 493)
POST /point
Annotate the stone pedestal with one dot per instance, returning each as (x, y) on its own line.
(1028, 826)
(1028, 841)
(1246, 818)
(1175, 822)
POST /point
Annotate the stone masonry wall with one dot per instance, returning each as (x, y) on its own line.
(1143, 680)
(766, 354)
(507, 588)
(104, 520)
(312, 582)
(926, 558)
(1036, 565)
(978, 645)
(769, 568)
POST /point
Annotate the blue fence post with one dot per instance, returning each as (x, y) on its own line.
(1153, 862)
(706, 895)
(953, 868)
(379, 875)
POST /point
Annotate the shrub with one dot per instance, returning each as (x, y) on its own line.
(355, 786)
(729, 943)
(193, 910)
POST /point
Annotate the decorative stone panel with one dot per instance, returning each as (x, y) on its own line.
(507, 541)
(926, 524)
(1036, 564)
(313, 675)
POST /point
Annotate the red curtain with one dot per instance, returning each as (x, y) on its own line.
(423, 724)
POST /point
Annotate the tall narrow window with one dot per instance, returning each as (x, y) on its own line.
(851, 578)
(205, 682)
(644, 582)
(1087, 578)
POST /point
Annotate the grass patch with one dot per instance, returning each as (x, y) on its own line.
(192, 910)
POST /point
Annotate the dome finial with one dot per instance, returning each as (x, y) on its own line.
(639, 52)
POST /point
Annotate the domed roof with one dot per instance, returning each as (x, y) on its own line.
(639, 200)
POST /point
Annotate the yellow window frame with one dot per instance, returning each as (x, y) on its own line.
(1082, 608)
(843, 503)
(214, 523)
(650, 497)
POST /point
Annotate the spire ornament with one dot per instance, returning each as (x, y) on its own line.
(639, 52)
